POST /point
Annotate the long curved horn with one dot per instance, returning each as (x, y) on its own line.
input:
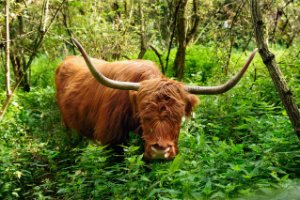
(100, 77)
(209, 90)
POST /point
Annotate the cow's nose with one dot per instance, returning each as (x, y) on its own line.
(161, 147)
(163, 152)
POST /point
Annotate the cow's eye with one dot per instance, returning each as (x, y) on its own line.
(146, 119)
(167, 98)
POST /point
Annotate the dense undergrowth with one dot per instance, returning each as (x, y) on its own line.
(238, 145)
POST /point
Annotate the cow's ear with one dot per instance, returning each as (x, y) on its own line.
(191, 102)
(133, 101)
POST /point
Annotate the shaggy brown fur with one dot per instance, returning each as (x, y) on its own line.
(107, 115)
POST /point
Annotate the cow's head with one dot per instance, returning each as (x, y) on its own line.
(160, 105)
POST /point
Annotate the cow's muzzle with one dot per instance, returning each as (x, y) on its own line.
(156, 151)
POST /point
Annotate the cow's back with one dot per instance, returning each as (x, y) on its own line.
(94, 110)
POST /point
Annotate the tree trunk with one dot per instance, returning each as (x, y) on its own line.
(66, 22)
(142, 32)
(172, 35)
(179, 63)
(17, 56)
(181, 37)
(268, 57)
(7, 61)
(184, 36)
(7, 49)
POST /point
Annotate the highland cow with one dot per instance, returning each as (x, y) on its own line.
(104, 101)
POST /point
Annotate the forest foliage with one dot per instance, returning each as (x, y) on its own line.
(239, 145)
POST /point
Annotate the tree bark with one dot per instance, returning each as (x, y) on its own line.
(142, 32)
(268, 58)
(181, 37)
(184, 35)
(7, 60)
(7, 67)
(45, 15)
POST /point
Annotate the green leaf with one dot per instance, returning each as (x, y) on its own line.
(176, 163)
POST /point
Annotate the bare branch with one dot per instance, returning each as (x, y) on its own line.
(45, 15)
(159, 57)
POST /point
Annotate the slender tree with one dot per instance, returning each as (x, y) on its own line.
(7, 61)
(67, 21)
(18, 52)
(143, 42)
(179, 64)
(232, 35)
(184, 34)
(36, 45)
(7, 66)
(172, 34)
(268, 58)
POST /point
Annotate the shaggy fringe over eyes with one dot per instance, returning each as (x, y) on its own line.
(162, 99)
(163, 130)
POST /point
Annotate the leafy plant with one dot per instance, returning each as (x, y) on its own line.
(237, 145)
